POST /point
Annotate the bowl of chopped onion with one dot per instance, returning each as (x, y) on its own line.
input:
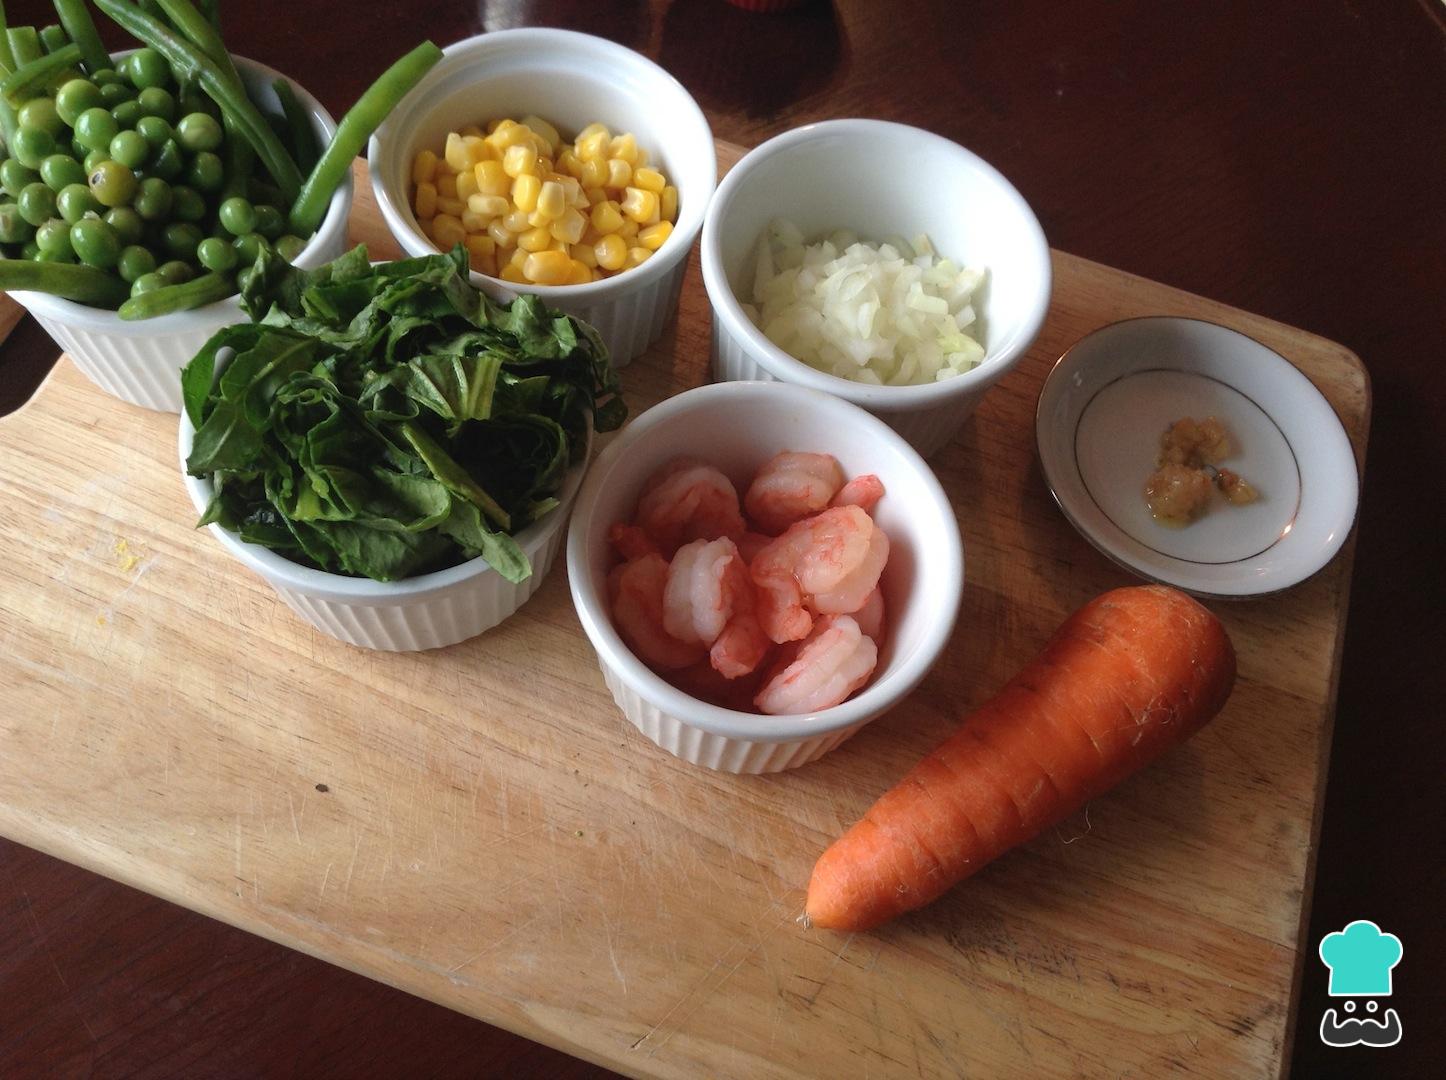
(877, 262)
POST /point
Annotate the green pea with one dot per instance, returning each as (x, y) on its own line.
(135, 262)
(128, 225)
(154, 130)
(112, 184)
(14, 229)
(197, 131)
(30, 250)
(41, 113)
(58, 170)
(206, 172)
(147, 68)
(36, 203)
(15, 177)
(197, 101)
(106, 75)
(238, 216)
(30, 146)
(153, 199)
(176, 272)
(249, 247)
(289, 247)
(130, 149)
(187, 203)
(269, 222)
(167, 162)
(158, 102)
(74, 97)
(93, 159)
(54, 235)
(148, 283)
(75, 201)
(95, 128)
(128, 114)
(215, 254)
(66, 256)
(181, 239)
(95, 243)
(113, 94)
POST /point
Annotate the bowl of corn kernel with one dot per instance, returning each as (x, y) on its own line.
(566, 165)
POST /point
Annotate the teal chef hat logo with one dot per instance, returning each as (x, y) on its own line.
(1360, 959)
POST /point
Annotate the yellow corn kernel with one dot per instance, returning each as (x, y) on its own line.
(590, 235)
(594, 195)
(509, 133)
(501, 235)
(425, 224)
(629, 230)
(456, 154)
(473, 223)
(642, 158)
(447, 231)
(516, 220)
(620, 174)
(611, 252)
(488, 206)
(547, 268)
(551, 200)
(483, 264)
(493, 125)
(454, 207)
(592, 129)
(607, 217)
(471, 129)
(465, 184)
(545, 166)
(424, 167)
(518, 257)
(534, 239)
(541, 146)
(593, 147)
(477, 148)
(541, 127)
(594, 172)
(569, 164)
(578, 273)
(569, 227)
(520, 161)
(491, 178)
(525, 190)
(625, 147)
(668, 203)
(512, 274)
(637, 256)
(638, 204)
(480, 245)
(583, 253)
(447, 186)
(649, 180)
(654, 236)
(426, 200)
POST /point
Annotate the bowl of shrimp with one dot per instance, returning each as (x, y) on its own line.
(762, 569)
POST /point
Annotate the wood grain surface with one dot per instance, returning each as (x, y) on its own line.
(481, 827)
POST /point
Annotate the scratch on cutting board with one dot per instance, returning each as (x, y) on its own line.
(346, 888)
(503, 940)
(612, 953)
(827, 975)
(238, 854)
(295, 825)
(324, 877)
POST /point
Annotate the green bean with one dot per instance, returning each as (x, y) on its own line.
(193, 65)
(75, 17)
(29, 80)
(24, 45)
(83, 284)
(198, 292)
(7, 58)
(355, 129)
(212, 10)
(298, 126)
(52, 37)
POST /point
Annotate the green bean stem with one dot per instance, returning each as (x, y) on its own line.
(75, 17)
(189, 62)
(52, 38)
(198, 292)
(355, 129)
(73, 281)
(29, 79)
(200, 32)
(298, 126)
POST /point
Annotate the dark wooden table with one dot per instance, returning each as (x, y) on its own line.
(1287, 158)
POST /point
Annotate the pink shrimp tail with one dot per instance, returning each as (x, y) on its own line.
(862, 491)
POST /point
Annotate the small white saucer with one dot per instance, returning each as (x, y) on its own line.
(1100, 417)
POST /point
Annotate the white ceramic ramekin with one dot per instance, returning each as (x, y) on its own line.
(571, 80)
(738, 426)
(140, 362)
(879, 179)
(429, 611)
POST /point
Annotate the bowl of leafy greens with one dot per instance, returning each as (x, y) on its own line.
(393, 451)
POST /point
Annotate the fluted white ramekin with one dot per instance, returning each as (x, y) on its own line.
(571, 80)
(429, 611)
(738, 426)
(140, 362)
(879, 179)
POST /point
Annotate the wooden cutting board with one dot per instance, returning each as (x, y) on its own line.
(480, 826)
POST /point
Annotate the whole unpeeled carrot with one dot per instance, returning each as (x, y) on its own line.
(1129, 675)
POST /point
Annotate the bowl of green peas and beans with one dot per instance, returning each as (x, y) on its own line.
(126, 172)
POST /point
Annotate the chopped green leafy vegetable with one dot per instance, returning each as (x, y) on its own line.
(391, 420)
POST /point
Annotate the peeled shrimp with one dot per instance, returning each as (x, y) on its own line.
(741, 648)
(688, 499)
(790, 487)
(631, 542)
(834, 661)
(637, 590)
(862, 491)
(870, 617)
(707, 581)
(832, 559)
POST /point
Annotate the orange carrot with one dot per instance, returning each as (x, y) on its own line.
(1129, 675)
